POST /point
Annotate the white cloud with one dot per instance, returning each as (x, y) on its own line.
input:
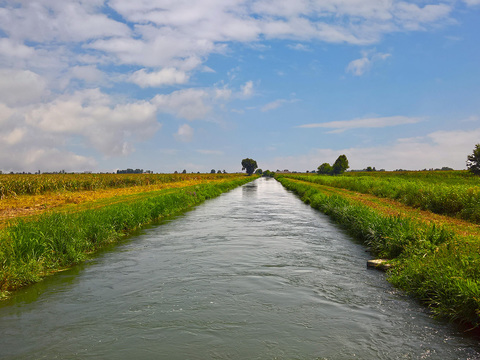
(247, 89)
(190, 104)
(472, 2)
(472, 118)
(275, 104)
(380, 122)
(165, 76)
(360, 66)
(21, 87)
(299, 47)
(51, 20)
(89, 74)
(413, 17)
(13, 49)
(110, 128)
(184, 133)
(198, 103)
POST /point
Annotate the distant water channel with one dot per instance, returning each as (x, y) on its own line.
(253, 274)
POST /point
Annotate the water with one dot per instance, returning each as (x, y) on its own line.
(253, 274)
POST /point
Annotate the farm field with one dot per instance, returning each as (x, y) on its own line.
(26, 195)
(46, 228)
(436, 257)
(452, 193)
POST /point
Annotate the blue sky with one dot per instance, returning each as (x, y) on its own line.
(169, 85)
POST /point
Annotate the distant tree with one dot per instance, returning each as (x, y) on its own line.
(324, 169)
(473, 161)
(219, 171)
(369, 168)
(340, 165)
(249, 165)
(258, 171)
(184, 171)
(212, 171)
(224, 172)
(268, 173)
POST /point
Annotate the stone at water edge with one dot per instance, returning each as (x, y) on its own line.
(380, 264)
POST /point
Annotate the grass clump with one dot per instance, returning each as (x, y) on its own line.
(31, 249)
(436, 265)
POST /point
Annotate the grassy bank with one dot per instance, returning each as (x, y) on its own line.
(34, 247)
(452, 193)
(432, 262)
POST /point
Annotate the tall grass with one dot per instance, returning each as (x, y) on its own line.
(31, 249)
(456, 194)
(431, 262)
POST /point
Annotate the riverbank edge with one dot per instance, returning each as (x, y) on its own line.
(33, 249)
(432, 263)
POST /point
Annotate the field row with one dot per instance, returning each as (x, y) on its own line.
(19, 184)
(454, 193)
(30, 205)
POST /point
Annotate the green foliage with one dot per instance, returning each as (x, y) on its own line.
(340, 165)
(268, 173)
(324, 169)
(448, 193)
(432, 263)
(249, 165)
(473, 161)
(259, 172)
(30, 249)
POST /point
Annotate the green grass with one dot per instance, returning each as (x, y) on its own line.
(451, 193)
(434, 264)
(33, 248)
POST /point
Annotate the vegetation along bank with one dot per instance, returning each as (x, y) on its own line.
(436, 258)
(34, 246)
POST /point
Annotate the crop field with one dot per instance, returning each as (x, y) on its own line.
(424, 224)
(452, 193)
(50, 222)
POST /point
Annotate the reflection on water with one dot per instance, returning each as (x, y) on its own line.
(253, 274)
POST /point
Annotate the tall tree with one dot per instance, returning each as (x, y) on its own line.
(473, 161)
(341, 164)
(249, 165)
(324, 169)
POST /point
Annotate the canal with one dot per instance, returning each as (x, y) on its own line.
(252, 274)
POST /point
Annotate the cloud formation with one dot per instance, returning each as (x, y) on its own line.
(380, 122)
(62, 65)
(360, 66)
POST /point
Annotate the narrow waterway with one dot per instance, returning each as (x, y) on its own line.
(252, 274)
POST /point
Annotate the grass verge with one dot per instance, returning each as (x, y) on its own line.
(432, 262)
(33, 248)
